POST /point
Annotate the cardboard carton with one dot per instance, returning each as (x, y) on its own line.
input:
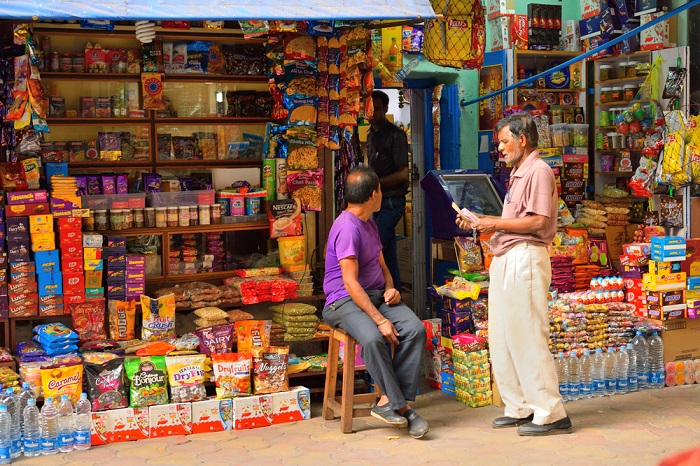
(251, 412)
(170, 419)
(212, 416)
(291, 406)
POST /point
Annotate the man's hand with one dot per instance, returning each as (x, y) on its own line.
(389, 332)
(392, 296)
(487, 225)
(463, 223)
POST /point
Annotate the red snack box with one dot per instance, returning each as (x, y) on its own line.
(119, 425)
(71, 250)
(291, 406)
(69, 223)
(211, 416)
(71, 264)
(252, 411)
(518, 32)
(24, 210)
(70, 237)
(73, 283)
(73, 298)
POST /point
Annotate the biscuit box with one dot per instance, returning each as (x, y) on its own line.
(23, 210)
(170, 419)
(51, 299)
(19, 267)
(212, 416)
(47, 261)
(71, 237)
(26, 197)
(72, 250)
(664, 282)
(69, 223)
(23, 299)
(693, 283)
(668, 312)
(693, 311)
(658, 267)
(93, 279)
(252, 411)
(50, 284)
(456, 305)
(17, 225)
(76, 298)
(124, 425)
(98, 428)
(52, 310)
(291, 406)
(23, 311)
(93, 240)
(22, 288)
(665, 298)
(73, 283)
(91, 264)
(72, 264)
(691, 265)
(91, 253)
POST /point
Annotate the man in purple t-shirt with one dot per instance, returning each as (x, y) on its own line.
(361, 299)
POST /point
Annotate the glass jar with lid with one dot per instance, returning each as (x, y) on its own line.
(631, 71)
(629, 91)
(605, 95)
(616, 94)
(606, 72)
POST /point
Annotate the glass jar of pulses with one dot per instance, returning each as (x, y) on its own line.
(631, 71)
(606, 72)
(622, 69)
(161, 217)
(101, 220)
(628, 92)
(172, 217)
(605, 95)
(616, 94)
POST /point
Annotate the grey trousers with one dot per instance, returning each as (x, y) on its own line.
(397, 377)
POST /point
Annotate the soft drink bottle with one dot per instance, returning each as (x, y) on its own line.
(563, 376)
(656, 361)
(632, 382)
(31, 436)
(610, 371)
(598, 373)
(641, 347)
(574, 376)
(12, 402)
(24, 395)
(49, 428)
(82, 423)
(407, 68)
(66, 430)
(5, 421)
(623, 363)
(586, 376)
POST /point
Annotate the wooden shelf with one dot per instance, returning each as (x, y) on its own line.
(205, 77)
(615, 173)
(99, 165)
(234, 163)
(40, 317)
(99, 77)
(300, 299)
(98, 121)
(611, 82)
(191, 229)
(225, 35)
(619, 102)
(606, 127)
(532, 89)
(616, 151)
(212, 120)
(545, 54)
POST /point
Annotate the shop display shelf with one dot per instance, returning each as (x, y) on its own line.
(529, 89)
(619, 102)
(69, 76)
(97, 121)
(97, 164)
(632, 79)
(205, 77)
(213, 120)
(606, 127)
(225, 163)
(615, 173)
(546, 54)
(191, 229)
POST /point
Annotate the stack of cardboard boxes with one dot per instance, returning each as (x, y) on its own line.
(116, 268)
(70, 238)
(508, 30)
(94, 265)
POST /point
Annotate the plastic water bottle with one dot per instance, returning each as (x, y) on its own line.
(563, 376)
(632, 382)
(610, 371)
(641, 347)
(12, 402)
(656, 361)
(598, 373)
(82, 423)
(5, 442)
(66, 429)
(31, 435)
(574, 376)
(49, 428)
(623, 365)
(25, 394)
(407, 68)
(586, 375)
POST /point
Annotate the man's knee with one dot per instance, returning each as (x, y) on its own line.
(414, 331)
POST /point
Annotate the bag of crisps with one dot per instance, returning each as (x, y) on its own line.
(107, 385)
(122, 315)
(252, 334)
(158, 317)
(149, 382)
(232, 372)
(64, 380)
(89, 319)
(270, 369)
(186, 376)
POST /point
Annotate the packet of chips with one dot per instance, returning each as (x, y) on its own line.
(252, 334)
(89, 319)
(64, 380)
(122, 315)
(149, 383)
(217, 339)
(106, 385)
(270, 369)
(186, 375)
(232, 372)
(158, 317)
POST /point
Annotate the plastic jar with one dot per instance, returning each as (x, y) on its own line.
(622, 69)
(138, 218)
(128, 219)
(643, 68)
(89, 221)
(606, 72)
(149, 217)
(215, 213)
(560, 135)
(605, 95)
(184, 216)
(204, 215)
(101, 223)
(631, 70)
(116, 219)
(161, 217)
(557, 116)
(629, 91)
(194, 216)
(616, 94)
(579, 136)
(172, 217)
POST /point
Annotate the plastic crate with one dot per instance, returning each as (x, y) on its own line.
(114, 201)
(181, 198)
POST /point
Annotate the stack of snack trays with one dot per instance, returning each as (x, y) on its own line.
(567, 326)
(622, 323)
(480, 315)
(116, 268)
(209, 316)
(299, 320)
(583, 275)
(472, 371)
(596, 326)
(563, 274)
(593, 216)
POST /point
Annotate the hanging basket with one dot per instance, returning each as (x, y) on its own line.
(458, 39)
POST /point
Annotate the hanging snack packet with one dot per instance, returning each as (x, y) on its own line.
(186, 376)
(106, 385)
(270, 369)
(307, 186)
(64, 380)
(158, 317)
(89, 319)
(303, 154)
(217, 339)
(122, 315)
(149, 384)
(252, 334)
(232, 372)
(153, 97)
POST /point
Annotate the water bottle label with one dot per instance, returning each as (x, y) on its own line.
(5, 453)
(598, 385)
(632, 381)
(65, 440)
(573, 389)
(657, 377)
(621, 384)
(48, 443)
(17, 444)
(82, 437)
(31, 445)
(610, 384)
(563, 389)
(586, 388)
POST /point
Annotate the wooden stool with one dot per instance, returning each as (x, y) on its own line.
(345, 403)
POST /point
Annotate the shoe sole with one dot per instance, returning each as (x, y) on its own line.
(549, 432)
(397, 424)
(510, 426)
(421, 435)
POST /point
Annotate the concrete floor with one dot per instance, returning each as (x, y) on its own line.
(633, 429)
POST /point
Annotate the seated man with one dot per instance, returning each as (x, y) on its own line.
(362, 300)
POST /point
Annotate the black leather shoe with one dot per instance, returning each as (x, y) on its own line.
(505, 421)
(388, 415)
(417, 427)
(559, 427)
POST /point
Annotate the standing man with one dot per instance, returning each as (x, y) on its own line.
(361, 299)
(520, 278)
(387, 152)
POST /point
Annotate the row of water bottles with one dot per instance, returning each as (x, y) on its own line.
(24, 429)
(633, 367)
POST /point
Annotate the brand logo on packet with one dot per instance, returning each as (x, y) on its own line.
(58, 384)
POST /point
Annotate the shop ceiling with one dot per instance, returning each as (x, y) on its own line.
(397, 10)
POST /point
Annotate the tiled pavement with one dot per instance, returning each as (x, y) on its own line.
(634, 429)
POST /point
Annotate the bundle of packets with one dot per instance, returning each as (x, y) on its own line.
(596, 326)
(567, 326)
(472, 370)
(622, 323)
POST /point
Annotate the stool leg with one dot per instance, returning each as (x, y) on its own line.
(348, 386)
(331, 376)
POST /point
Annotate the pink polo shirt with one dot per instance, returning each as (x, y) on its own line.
(532, 190)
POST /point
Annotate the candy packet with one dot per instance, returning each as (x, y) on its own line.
(232, 373)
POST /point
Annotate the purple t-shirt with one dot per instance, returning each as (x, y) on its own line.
(351, 237)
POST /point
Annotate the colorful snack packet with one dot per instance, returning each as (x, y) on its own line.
(232, 372)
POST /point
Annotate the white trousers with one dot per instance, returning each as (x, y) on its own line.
(519, 333)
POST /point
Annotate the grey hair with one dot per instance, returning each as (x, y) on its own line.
(520, 124)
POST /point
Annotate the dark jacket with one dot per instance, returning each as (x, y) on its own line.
(387, 151)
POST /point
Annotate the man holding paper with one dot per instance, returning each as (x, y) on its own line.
(520, 275)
